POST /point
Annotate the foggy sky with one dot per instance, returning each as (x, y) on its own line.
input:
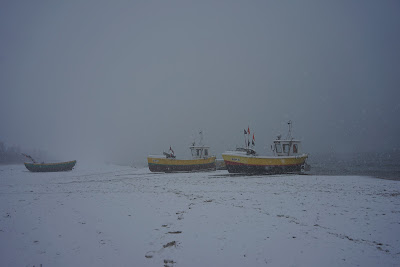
(124, 79)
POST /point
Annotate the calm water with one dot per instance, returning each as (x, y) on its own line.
(380, 165)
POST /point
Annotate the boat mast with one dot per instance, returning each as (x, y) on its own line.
(289, 136)
(201, 138)
(201, 143)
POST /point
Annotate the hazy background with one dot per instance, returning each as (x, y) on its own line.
(118, 80)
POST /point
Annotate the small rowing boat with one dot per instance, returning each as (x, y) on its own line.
(50, 167)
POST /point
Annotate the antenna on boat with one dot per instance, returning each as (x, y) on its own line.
(289, 136)
(201, 138)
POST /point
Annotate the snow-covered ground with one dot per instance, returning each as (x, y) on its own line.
(122, 216)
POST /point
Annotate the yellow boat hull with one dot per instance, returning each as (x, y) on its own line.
(160, 164)
(237, 163)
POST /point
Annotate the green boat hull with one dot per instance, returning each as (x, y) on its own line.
(50, 167)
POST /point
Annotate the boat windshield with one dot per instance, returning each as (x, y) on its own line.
(286, 148)
(278, 148)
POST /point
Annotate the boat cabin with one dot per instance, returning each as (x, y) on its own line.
(199, 152)
(286, 147)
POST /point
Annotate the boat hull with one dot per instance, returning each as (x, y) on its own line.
(236, 163)
(220, 164)
(50, 167)
(176, 165)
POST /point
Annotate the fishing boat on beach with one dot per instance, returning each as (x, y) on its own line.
(48, 167)
(201, 160)
(287, 157)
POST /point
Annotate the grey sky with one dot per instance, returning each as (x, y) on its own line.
(130, 78)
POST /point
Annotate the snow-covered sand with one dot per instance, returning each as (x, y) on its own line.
(122, 216)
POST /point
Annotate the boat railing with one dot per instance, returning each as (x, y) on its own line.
(248, 151)
(169, 155)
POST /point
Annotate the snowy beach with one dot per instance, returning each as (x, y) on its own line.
(123, 216)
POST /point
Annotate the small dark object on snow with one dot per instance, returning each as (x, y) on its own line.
(170, 244)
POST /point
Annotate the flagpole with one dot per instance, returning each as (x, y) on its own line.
(245, 138)
(248, 137)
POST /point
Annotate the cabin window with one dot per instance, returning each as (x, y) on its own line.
(206, 152)
(198, 152)
(278, 148)
(295, 148)
(286, 148)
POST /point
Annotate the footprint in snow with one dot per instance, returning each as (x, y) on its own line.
(168, 263)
